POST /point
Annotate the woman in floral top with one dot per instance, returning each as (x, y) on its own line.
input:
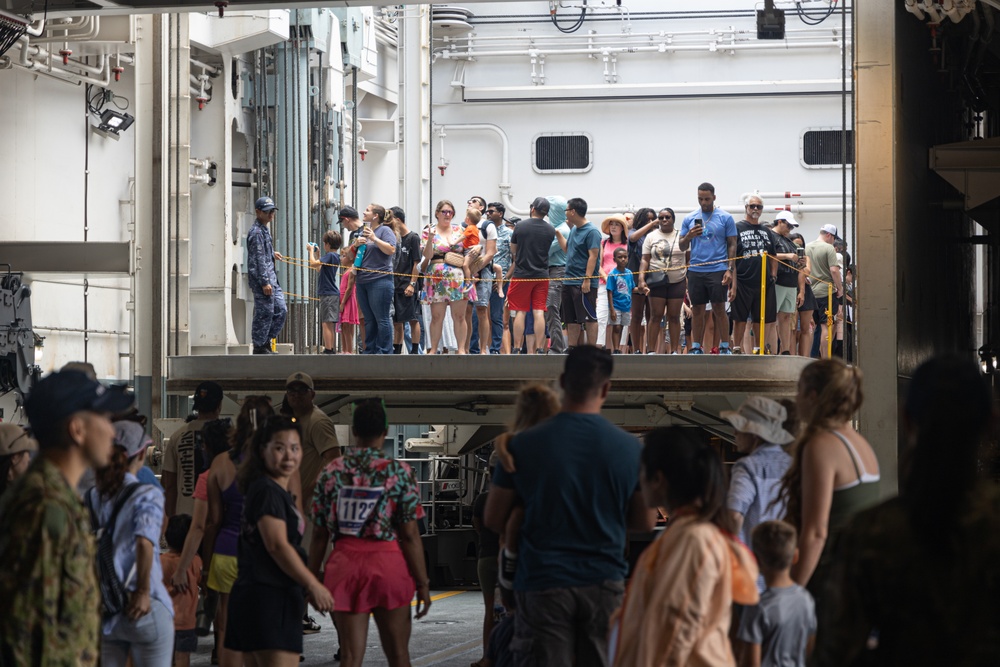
(443, 282)
(369, 506)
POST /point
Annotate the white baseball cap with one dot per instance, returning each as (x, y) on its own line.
(787, 217)
(829, 229)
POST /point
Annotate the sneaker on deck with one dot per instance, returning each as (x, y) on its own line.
(696, 350)
(309, 625)
(723, 350)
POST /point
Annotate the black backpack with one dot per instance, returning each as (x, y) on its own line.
(113, 593)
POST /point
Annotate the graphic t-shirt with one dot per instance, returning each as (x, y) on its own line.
(710, 251)
(576, 474)
(533, 238)
(621, 284)
(406, 255)
(326, 284)
(581, 241)
(752, 241)
(665, 254)
(366, 495)
(185, 456)
(787, 276)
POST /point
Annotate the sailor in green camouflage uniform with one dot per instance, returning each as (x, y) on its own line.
(49, 598)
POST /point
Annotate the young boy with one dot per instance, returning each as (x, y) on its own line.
(781, 629)
(185, 603)
(327, 288)
(470, 240)
(621, 283)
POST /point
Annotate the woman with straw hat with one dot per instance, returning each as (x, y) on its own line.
(615, 229)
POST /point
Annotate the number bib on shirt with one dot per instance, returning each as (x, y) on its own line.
(354, 506)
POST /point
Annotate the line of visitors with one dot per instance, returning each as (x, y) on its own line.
(678, 286)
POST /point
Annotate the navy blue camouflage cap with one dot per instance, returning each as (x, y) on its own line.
(59, 395)
(265, 204)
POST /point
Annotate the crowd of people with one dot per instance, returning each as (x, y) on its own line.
(788, 558)
(641, 282)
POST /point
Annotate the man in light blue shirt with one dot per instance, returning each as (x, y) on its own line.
(710, 234)
(557, 269)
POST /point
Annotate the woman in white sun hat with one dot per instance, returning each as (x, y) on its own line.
(756, 478)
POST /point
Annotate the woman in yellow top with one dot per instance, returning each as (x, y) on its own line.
(678, 604)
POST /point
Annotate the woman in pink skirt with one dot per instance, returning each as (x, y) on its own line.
(369, 506)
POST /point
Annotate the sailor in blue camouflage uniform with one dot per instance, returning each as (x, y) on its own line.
(269, 310)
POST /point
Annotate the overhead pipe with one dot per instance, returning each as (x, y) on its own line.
(929, 7)
(94, 27)
(36, 31)
(794, 195)
(659, 48)
(60, 74)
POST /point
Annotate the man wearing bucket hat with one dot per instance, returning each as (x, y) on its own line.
(756, 478)
(48, 586)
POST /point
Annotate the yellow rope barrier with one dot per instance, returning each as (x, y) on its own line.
(305, 263)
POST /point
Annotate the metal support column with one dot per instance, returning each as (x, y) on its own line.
(415, 121)
(291, 186)
(876, 102)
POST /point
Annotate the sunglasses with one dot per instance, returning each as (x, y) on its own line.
(756, 207)
(448, 213)
(665, 217)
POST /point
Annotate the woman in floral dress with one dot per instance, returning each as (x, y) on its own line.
(443, 282)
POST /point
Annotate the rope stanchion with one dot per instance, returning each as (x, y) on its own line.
(763, 297)
(830, 326)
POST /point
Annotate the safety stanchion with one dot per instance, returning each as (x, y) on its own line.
(830, 326)
(763, 296)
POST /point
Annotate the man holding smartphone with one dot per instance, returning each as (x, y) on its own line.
(710, 234)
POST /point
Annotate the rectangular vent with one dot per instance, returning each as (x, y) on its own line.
(823, 148)
(562, 153)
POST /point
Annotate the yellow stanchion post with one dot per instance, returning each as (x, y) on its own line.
(763, 296)
(830, 326)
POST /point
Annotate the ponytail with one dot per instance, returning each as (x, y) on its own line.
(838, 397)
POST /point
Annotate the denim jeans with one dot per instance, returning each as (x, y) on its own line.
(496, 322)
(150, 640)
(375, 301)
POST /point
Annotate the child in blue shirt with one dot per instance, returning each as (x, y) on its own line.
(621, 283)
(327, 288)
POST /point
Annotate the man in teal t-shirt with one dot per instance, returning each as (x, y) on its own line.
(579, 296)
(578, 476)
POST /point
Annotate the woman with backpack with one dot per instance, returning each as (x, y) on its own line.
(127, 515)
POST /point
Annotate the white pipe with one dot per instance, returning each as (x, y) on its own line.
(914, 8)
(93, 21)
(26, 55)
(36, 32)
(660, 48)
(931, 10)
(59, 73)
(204, 67)
(198, 81)
(790, 194)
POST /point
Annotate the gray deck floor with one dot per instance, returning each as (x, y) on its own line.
(449, 636)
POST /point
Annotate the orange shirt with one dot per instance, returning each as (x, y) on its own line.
(470, 236)
(677, 608)
(185, 604)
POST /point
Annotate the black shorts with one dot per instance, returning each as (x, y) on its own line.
(746, 305)
(185, 641)
(669, 290)
(405, 307)
(819, 315)
(808, 301)
(577, 307)
(707, 288)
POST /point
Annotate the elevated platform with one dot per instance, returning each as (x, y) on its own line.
(646, 391)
